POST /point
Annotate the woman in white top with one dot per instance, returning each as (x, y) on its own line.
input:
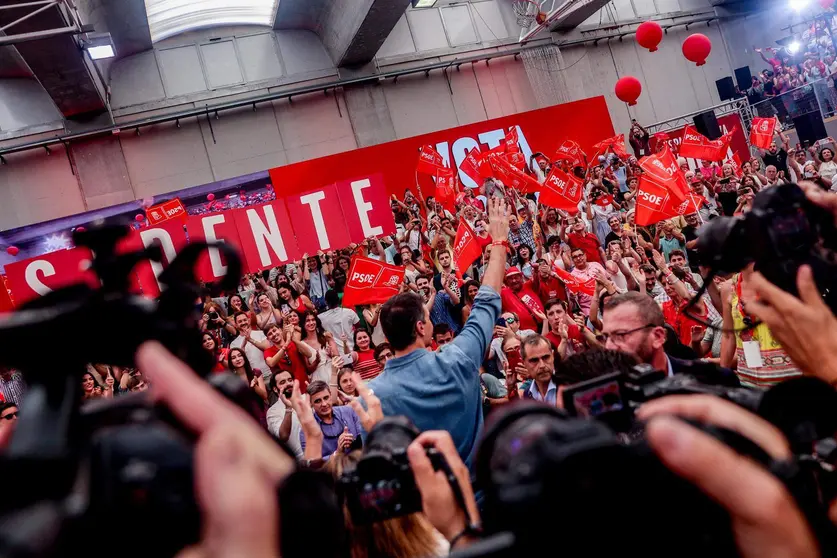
(372, 315)
(320, 341)
(265, 313)
(825, 163)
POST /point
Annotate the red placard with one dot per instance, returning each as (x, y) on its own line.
(445, 192)
(575, 284)
(170, 236)
(664, 169)
(561, 190)
(366, 207)
(165, 211)
(761, 133)
(466, 249)
(212, 227)
(571, 151)
(471, 164)
(730, 124)
(370, 282)
(317, 220)
(429, 160)
(6, 304)
(511, 176)
(511, 141)
(34, 277)
(266, 235)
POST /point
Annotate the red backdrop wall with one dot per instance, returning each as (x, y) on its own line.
(586, 121)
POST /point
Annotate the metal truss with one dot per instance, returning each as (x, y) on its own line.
(736, 106)
(65, 8)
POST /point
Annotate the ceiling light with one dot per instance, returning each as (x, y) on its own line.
(794, 47)
(799, 5)
(99, 46)
(424, 3)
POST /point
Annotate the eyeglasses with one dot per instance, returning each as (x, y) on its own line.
(10, 416)
(511, 320)
(619, 336)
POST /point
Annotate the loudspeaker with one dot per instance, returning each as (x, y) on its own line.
(744, 78)
(726, 88)
(810, 127)
(707, 124)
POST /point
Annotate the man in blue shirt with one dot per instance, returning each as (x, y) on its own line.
(441, 390)
(340, 425)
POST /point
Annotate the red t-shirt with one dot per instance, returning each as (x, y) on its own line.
(366, 365)
(292, 362)
(681, 323)
(521, 304)
(588, 242)
(575, 336)
(221, 363)
(549, 289)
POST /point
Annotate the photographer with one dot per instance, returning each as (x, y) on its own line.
(633, 323)
(441, 389)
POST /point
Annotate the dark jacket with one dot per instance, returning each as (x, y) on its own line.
(705, 372)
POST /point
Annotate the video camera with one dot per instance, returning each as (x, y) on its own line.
(115, 476)
(781, 232)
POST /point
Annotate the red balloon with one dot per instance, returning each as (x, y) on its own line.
(628, 90)
(139, 218)
(827, 4)
(243, 192)
(696, 48)
(80, 229)
(12, 250)
(649, 35)
(210, 197)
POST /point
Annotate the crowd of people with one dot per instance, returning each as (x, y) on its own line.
(458, 342)
(806, 64)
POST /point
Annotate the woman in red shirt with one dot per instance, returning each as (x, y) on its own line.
(218, 354)
(292, 301)
(285, 354)
(364, 356)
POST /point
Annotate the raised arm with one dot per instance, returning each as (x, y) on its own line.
(475, 336)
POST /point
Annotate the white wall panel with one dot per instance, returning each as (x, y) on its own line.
(135, 80)
(419, 105)
(221, 64)
(259, 57)
(458, 25)
(399, 41)
(467, 100)
(302, 52)
(489, 21)
(313, 124)
(667, 6)
(165, 158)
(427, 28)
(38, 187)
(181, 70)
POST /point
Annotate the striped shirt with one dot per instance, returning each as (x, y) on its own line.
(13, 388)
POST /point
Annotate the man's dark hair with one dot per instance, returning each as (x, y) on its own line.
(7, 405)
(553, 240)
(646, 306)
(316, 387)
(532, 341)
(574, 250)
(676, 252)
(332, 298)
(399, 317)
(271, 381)
(554, 302)
(380, 349)
(441, 329)
(648, 268)
(237, 314)
(271, 326)
(592, 364)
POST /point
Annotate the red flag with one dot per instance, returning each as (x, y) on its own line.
(697, 146)
(471, 166)
(575, 284)
(370, 281)
(761, 134)
(654, 203)
(663, 168)
(429, 160)
(604, 201)
(736, 164)
(484, 162)
(511, 176)
(615, 144)
(466, 249)
(445, 191)
(517, 160)
(571, 151)
(511, 141)
(561, 190)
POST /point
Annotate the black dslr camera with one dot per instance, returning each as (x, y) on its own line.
(381, 486)
(613, 398)
(782, 231)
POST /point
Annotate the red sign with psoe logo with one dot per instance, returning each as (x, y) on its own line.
(165, 211)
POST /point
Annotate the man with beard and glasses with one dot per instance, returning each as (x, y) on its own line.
(282, 421)
(634, 324)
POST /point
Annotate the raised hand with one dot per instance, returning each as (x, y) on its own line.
(373, 413)
(498, 221)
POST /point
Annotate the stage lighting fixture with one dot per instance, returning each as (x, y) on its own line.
(99, 46)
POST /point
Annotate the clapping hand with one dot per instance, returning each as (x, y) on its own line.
(345, 440)
(373, 413)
